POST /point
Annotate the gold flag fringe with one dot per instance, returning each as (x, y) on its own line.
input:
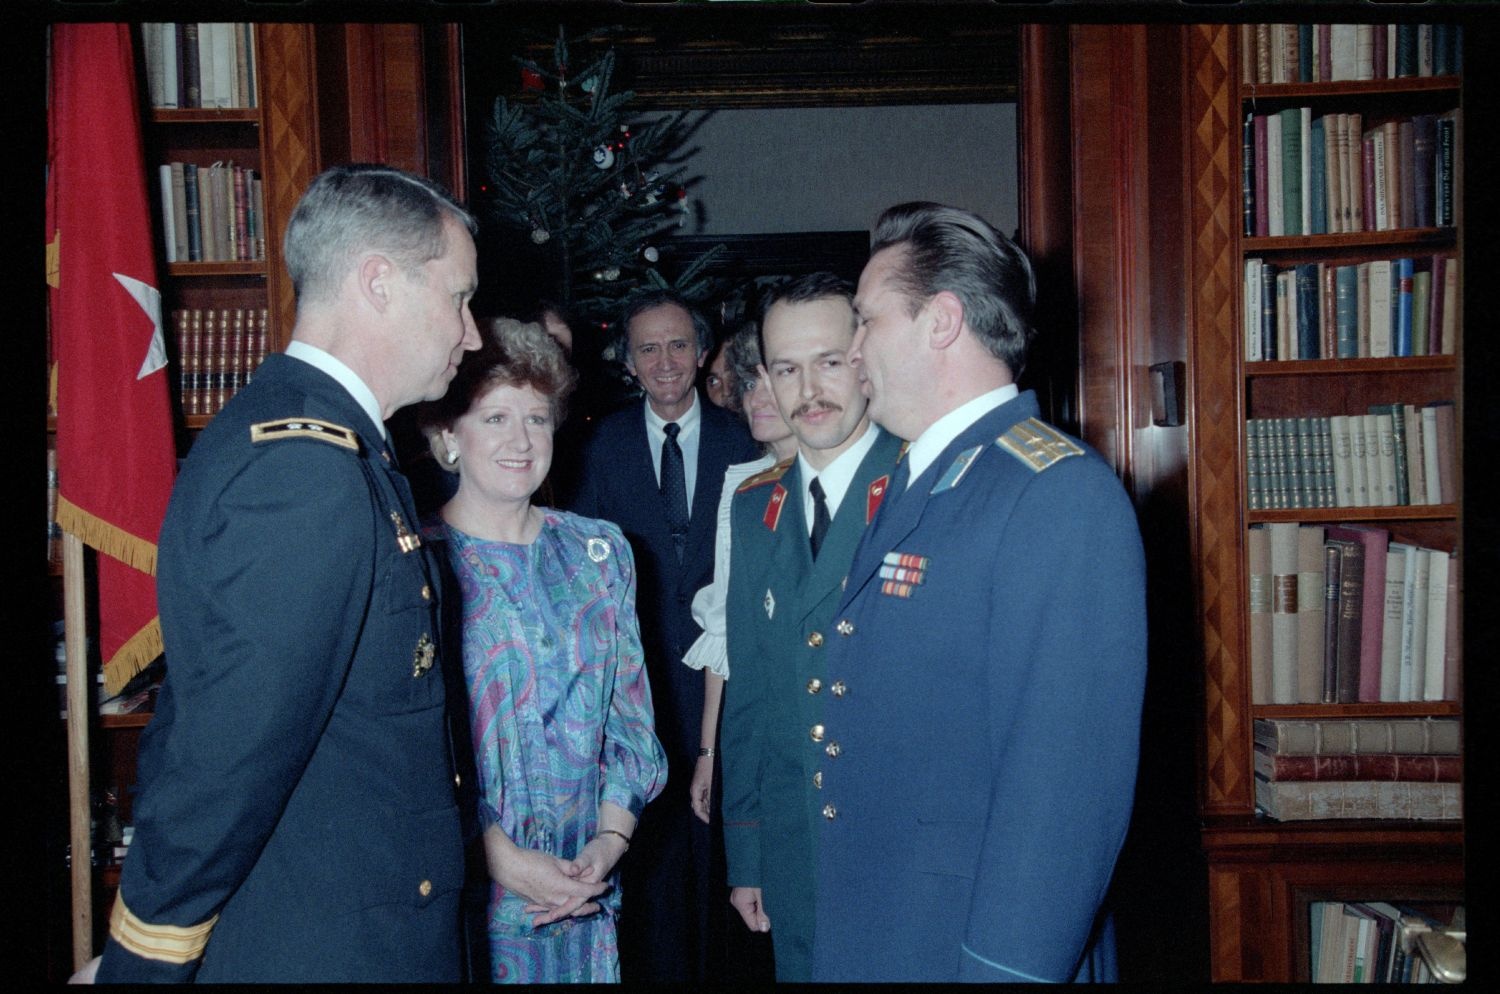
(135, 655)
(145, 645)
(108, 538)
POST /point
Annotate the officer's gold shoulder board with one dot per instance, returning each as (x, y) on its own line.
(765, 476)
(323, 431)
(1038, 444)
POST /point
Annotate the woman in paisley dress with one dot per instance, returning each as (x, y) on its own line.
(559, 707)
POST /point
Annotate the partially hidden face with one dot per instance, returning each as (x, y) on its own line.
(767, 426)
(663, 356)
(504, 443)
(807, 361)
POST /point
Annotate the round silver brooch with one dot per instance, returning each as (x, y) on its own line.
(598, 550)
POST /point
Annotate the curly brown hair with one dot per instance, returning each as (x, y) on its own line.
(514, 353)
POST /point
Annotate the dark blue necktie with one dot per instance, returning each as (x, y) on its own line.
(674, 488)
(820, 515)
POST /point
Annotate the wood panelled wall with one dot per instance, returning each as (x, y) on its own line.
(390, 93)
(1102, 195)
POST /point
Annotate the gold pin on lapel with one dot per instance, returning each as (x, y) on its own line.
(406, 539)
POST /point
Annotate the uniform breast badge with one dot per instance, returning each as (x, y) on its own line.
(770, 603)
(421, 660)
(901, 573)
(598, 549)
(406, 539)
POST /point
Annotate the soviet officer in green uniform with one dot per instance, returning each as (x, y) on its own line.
(794, 528)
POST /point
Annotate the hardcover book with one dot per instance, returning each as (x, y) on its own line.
(1307, 800)
(1376, 766)
(1358, 736)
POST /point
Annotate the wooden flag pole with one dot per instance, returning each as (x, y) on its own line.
(75, 632)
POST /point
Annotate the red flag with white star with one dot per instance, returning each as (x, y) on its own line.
(115, 457)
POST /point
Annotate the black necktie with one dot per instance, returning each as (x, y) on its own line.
(820, 515)
(674, 487)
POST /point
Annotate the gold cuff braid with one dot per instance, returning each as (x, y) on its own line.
(165, 943)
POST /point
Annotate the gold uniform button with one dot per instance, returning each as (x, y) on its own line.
(424, 888)
(814, 685)
(844, 627)
(833, 749)
(458, 781)
(426, 592)
(817, 733)
(830, 812)
(818, 779)
(815, 640)
(839, 688)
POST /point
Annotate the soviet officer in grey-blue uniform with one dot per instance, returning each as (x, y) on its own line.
(296, 819)
(988, 655)
(794, 530)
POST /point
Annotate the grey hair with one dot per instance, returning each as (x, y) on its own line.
(649, 299)
(360, 207)
(951, 249)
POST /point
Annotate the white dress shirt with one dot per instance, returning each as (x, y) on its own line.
(835, 477)
(346, 377)
(931, 443)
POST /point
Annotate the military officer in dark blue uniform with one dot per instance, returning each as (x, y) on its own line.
(297, 818)
(794, 530)
(987, 660)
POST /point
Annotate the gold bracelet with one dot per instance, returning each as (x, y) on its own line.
(611, 831)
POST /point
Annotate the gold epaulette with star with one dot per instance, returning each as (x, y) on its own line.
(765, 476)
(1038, 444)
(323, 431)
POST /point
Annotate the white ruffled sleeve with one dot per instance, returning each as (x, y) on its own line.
(710, 651)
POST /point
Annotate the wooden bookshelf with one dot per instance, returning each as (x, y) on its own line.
(1262, 874)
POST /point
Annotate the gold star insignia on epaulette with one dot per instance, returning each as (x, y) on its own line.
(1038, 444)
(770, 475)
(323, 431)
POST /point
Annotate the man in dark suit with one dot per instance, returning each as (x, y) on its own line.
(655, 469)
(794, 530)
(988, 657)
(296, 818)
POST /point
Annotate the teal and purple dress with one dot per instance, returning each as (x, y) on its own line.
(561, 716)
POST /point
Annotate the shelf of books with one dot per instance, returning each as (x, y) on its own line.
(217, 92)
(1335, 772)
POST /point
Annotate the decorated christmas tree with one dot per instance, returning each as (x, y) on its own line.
(597, 191)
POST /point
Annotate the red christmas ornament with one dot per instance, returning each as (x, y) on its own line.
(531, 79)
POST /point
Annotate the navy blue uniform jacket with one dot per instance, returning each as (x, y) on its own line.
(296, 805)
(985, 674)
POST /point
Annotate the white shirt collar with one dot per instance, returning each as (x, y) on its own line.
(689, 419)
(346, 377)
(931, 443)
(836, 476)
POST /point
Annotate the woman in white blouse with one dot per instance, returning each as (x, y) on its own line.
(708, 653)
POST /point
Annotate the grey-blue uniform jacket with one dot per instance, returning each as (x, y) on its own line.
(296, 819)
(986, 668)
(778, 615)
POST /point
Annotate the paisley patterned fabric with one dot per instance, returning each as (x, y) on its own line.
(561, 716)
